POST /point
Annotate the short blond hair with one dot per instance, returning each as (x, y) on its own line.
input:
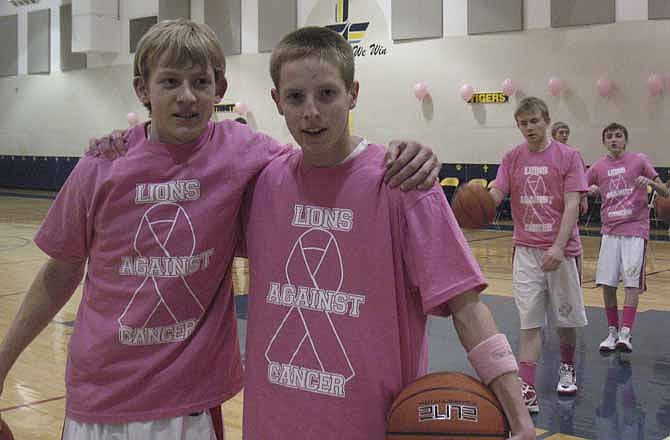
(183, 43)
(532, 104)
(316, 41)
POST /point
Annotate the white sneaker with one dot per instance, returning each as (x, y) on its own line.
(609, 344)
(625, 342)
(529, 396)
(567, 380)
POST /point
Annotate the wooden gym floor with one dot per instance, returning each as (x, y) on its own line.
(621, 396)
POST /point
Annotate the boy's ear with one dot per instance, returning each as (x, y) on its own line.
(141, 90)
(353, 94)
(221, 87)
(275, 97)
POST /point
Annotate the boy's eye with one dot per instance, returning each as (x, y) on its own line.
(328, 93)
(294, 96)
(169, 82)
(202, 82)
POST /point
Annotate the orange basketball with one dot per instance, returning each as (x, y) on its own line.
(662, 208)
(446, 406)
(5, 432)
(473, 206)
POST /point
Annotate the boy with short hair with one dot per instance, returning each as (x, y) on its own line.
(544, 179)
(154, 350)
(343, 283)
(560, 131)
(156, 312)
(622, 178)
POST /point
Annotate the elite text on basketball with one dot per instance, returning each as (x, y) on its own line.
(448, 411)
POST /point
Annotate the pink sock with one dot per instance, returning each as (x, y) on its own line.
(527, 372)
(629, 316)
(612, 316)
(567, 354)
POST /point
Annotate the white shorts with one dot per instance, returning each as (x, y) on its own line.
(622, 258)
(192, 427)
(547, 297)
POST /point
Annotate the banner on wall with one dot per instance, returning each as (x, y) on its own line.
(224, 108)
(361, 23)
(489, 98)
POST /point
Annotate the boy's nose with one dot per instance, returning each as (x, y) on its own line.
(186, 94)
(310, 109)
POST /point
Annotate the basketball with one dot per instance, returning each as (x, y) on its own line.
(446, 406)
(473, 206)
(662, 208)
(5, 432)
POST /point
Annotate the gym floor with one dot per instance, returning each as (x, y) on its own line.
(621, 396)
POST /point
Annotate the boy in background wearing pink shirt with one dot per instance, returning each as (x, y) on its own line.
(344, 270)
(154, 351)
(622, 178)
(560, 131)
(544, 179)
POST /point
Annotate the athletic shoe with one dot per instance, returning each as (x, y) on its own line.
(609, 344)
(567, 380)
(625, 342)
(529, 397)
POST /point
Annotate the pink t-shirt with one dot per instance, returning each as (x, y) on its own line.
(537, 183)
(624, 207)
(343, 273)
(156, 332)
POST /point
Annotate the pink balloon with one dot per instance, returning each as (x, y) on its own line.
(605, 87)
(132, 119)
(555, 86)
(466, 92)
(420, 90)
(655, 84)
(508, 87)
(241, 108)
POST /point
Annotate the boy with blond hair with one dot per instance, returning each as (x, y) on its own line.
(544, 179)
(342, 285)
(154, 351)
(622, 178)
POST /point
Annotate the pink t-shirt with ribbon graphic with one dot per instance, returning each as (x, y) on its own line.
(156, 332)
(536, 183)
(624, 208)
(343, 274)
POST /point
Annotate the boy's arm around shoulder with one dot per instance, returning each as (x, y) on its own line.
(411, 165)
(475, 325)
